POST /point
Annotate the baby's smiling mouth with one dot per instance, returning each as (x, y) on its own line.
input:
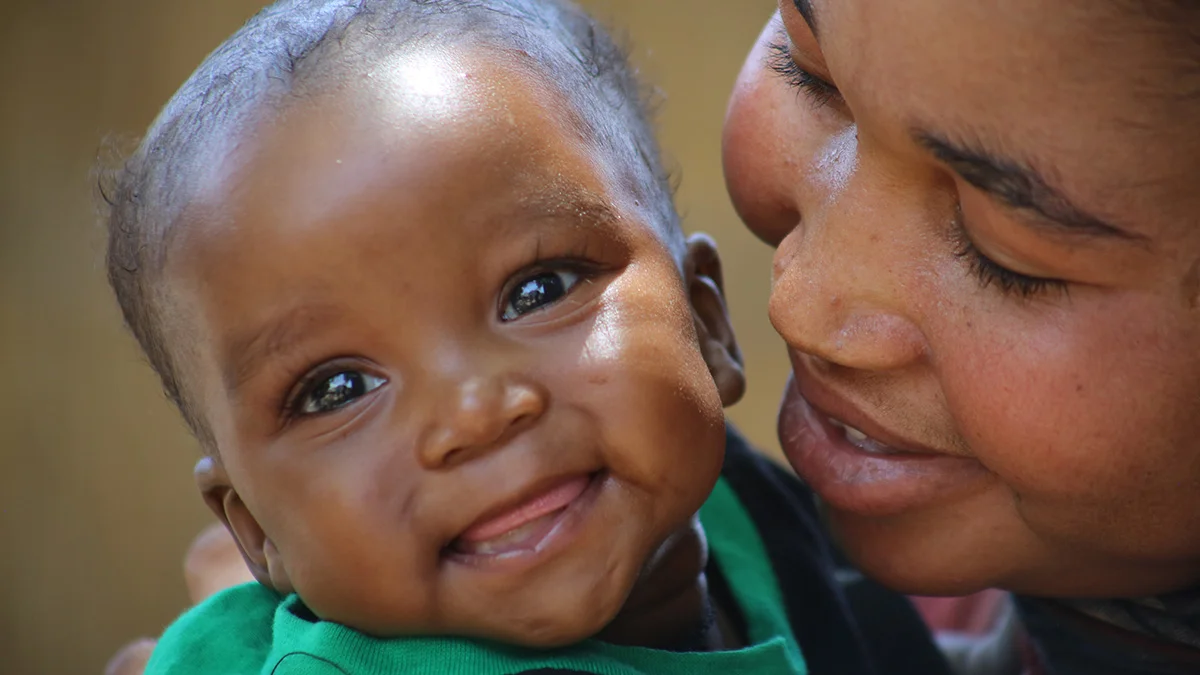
(522, 527)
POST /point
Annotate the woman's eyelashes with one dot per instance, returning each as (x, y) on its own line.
(536, 291)
(991, 273)
(780, 60)
(329, 390)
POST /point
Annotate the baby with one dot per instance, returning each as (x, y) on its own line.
(411, 271)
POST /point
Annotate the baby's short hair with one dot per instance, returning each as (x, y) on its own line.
(294, 42)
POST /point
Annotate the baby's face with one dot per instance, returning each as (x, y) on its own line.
(451, 369)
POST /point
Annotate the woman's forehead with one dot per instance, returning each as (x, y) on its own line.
(1086, 92)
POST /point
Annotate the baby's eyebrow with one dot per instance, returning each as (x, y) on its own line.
(574, 205)
(245, 353)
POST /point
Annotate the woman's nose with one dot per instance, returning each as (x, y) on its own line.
(843, 297)
(479, 414)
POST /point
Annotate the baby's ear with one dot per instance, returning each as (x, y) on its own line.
(706, 288)
(256, 548)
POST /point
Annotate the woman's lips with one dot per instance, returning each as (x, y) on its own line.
(853, 470)
(524, 526)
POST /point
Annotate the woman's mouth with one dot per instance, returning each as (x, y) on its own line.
(862, 441)
(526, 527)
(855, 471)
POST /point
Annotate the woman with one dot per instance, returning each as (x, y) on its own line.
(988, 275)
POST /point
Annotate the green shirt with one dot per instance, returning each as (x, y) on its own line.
(248, 629)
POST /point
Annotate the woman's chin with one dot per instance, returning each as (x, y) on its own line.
(917, 557)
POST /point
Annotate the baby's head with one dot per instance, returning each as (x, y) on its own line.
(412, 272)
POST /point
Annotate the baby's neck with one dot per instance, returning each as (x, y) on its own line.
(670, 607)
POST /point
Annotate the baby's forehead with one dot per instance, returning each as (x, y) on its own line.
(448, 84)
(433, 125)
(431, 132)
(435, 165)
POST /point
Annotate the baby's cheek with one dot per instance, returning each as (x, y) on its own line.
(342, 515)
(651, 389)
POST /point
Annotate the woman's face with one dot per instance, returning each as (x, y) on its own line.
(987, 216)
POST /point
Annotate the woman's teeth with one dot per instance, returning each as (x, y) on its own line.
(854, 435)
(862, 441)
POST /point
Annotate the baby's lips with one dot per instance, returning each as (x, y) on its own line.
(554, 499)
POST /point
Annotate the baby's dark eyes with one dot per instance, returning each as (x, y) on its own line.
(537, 291)
(334, 387)
(327, 393)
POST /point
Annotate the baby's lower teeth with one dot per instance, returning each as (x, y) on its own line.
(501, 544)
(493, 546)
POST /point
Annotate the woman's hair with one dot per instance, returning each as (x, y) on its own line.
(294, 42)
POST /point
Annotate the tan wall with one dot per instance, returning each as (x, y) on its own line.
(96, 498)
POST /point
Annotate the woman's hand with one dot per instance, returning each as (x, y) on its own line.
(213, 563)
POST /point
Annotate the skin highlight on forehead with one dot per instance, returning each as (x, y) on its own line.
(434, 86)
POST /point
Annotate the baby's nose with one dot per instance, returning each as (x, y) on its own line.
(477, 416)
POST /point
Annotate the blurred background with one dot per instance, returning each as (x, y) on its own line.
(97, 503)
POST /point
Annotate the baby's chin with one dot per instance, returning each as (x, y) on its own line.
(547, 611)
(551, 617)
(550, 631)
(525, 625)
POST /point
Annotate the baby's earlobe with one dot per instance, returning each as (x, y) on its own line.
(714, 329)
(259, 552)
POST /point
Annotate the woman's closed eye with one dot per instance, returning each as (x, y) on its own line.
(537, 291)
(990, 273)
(327, 392)
(781, 61)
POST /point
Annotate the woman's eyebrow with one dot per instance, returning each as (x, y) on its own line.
(1021, 187)
(806, 11)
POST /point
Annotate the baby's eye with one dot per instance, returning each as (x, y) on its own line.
(329, 394)
(537, 291)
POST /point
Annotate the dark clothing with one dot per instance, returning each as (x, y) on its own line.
(1116, 637)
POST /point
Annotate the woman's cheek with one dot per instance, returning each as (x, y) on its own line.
(1036, 402)
(757, 175)
(771, 139)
